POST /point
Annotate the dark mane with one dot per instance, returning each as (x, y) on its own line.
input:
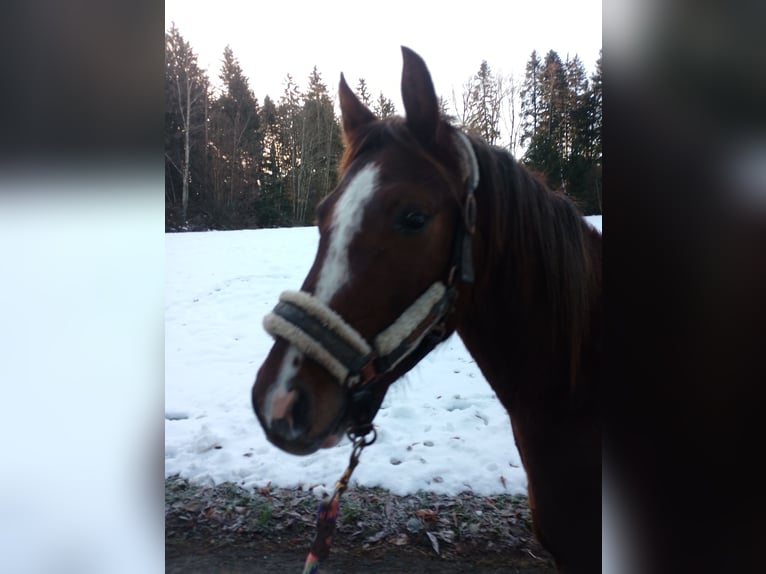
(542, 232)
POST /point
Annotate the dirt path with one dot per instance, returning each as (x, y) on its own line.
(237, 561)
(228, 530)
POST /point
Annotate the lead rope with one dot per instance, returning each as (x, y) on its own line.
(327, 512)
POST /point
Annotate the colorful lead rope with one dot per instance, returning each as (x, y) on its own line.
(327, 512)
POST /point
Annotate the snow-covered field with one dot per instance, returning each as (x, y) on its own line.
(440, 429)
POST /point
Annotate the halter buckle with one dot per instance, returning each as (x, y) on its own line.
(369, 370)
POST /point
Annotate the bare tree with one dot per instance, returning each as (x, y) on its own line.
(462, 107)
(481, 104)
(510, 115)
(190, 85)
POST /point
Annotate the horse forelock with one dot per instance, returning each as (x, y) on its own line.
(393, 132)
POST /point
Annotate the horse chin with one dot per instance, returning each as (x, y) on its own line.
(300, 447)
(296, 446)
(304, 445)
(332, 440)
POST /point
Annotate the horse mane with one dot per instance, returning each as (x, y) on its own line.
(542, 232)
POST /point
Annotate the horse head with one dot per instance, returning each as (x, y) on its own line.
(394, 252)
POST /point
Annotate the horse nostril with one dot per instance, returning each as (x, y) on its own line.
(290, 413)
(300, 411)
(281, 427)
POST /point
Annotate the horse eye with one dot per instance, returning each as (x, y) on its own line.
(412, 221)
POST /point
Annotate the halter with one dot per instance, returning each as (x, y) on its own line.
(356, 363)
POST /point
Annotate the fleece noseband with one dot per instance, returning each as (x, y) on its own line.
(323, 335)
(354, 362)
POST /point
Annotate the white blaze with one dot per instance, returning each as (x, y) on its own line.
(290, 365)
(335, 271)
(347, 220)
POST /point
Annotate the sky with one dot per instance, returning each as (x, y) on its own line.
(271, 39)
(440, 429)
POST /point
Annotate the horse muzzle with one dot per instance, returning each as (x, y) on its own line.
(296, 403)
(329, 376)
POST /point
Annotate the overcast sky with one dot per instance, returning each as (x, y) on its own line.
(363, 39)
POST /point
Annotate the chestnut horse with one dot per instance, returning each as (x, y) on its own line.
(428, 232)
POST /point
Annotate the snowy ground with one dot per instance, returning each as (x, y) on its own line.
(440, 429)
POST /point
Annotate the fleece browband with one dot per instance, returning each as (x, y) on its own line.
(323, 335)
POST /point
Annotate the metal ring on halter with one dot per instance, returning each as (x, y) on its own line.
(359, 433)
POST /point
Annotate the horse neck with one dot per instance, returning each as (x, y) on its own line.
(525, 320)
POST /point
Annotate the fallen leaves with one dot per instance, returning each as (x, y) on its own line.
(400, 540)
(434, 541)
(371, 518)
(426, 515)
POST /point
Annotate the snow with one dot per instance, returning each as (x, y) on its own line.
(440, 429)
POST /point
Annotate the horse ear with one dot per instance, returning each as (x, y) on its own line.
(420, 104)
(354, 114)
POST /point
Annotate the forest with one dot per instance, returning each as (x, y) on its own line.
(232, 162)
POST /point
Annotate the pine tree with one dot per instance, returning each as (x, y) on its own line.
(384, 107)
(576, 102)
(363, 93)
(289, 117)
(272, 205)
(565, 146)
(238, 146)
(553, 92)
(316, 148)
(484, 104)
(595, 112)
(530, 99)
(546, 152)
(594, 180)
(318, 135)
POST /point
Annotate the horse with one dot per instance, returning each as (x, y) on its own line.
(432, 231)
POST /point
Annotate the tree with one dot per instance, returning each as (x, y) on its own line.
(595, 112)
(594, 115)
(186, 93)
(272, 205)
(462, 107)
(289, 119)
(530, 99)
(484, 103)
(384, 107)
(546, 152)
(363, 93)
(576, 96)
(553, 97)
(237, 147)
(444, 110)
(320, 145)
(565, 145)
(510, 121)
